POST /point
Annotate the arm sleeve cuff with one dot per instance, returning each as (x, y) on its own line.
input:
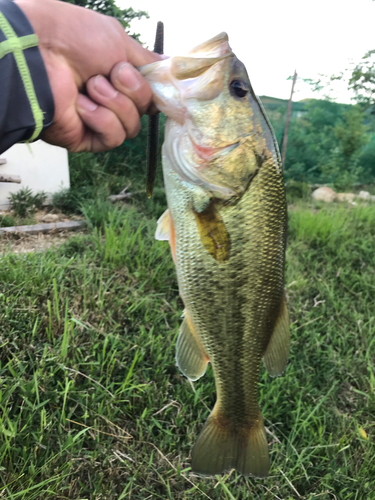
(26, 101)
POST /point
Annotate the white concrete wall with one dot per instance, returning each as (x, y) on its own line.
(42, 167)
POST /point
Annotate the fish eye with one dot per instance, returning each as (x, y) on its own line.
(238, 88)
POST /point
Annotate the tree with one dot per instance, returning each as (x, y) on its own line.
(327, 144)
(362, 80)
(351, 133)
(109, 8)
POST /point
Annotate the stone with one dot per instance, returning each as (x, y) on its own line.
(50, 218)
(365, 195)
(326, 194)
(345, 196)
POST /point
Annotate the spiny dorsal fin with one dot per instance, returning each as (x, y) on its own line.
(277, 352)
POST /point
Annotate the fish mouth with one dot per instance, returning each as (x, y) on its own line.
(207, 153)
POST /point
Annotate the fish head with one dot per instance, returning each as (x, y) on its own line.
(217, 134)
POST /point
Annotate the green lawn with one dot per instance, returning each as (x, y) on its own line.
(92, 405)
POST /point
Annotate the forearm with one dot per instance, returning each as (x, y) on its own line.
(26, 101)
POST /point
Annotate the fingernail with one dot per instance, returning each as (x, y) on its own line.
(128, 77)
(85, 103)
(104, 88)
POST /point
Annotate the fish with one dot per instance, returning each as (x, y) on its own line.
(226, 224)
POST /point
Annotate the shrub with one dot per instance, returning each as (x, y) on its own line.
(7, 221)
(24, 202)
(67, 200)
(296, 190)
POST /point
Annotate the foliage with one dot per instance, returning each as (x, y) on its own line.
(99, 212)
(326, 143)
(109, 8)
(24, 202)
(92, 404)
(367, 159)
(351, 133)
(67, 200)
(362, 80)
(7, 221)
(296, 190)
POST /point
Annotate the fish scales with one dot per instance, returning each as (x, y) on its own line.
(226, 224)
(228, 320)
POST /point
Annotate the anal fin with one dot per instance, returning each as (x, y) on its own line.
(190, 356)
(277, 352)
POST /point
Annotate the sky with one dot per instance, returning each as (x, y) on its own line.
(271, 37)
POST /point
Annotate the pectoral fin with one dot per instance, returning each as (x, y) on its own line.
(165, 231)
(277, 352)
(190, 356)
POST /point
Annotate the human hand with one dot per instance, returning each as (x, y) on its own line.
(88, 53)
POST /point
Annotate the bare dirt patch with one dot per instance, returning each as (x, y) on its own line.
(26, 243)
(17, 243)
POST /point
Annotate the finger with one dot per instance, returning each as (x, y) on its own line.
(104, 130)
(101, 91)
(127, 80)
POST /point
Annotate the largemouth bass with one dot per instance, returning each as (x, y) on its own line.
(226, 225)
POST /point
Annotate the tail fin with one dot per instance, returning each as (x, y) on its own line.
(220, 448)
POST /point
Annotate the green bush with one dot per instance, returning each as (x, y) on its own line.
(7, 221)
(67, 200)
(297, 190)
(24, 202)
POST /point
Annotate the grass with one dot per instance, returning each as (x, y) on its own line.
(92, 405)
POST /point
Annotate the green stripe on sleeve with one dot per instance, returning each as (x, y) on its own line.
(16, 45)
(25, 42)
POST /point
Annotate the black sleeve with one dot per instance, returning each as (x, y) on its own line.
(26, 101)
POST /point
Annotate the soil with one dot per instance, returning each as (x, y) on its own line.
(23, 243)
(33, 243)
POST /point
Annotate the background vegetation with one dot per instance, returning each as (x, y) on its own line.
(109, 8)
(328, 142)
(92, 405)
